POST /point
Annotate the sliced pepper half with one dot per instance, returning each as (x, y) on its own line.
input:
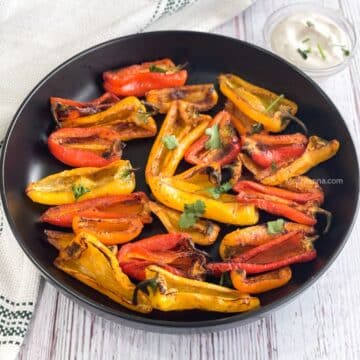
(184, 126)
(175, 252)
(66, 109)
(222, 145)
(285, 249)
(136, 80)
(127, 117)
(260, 283)
(169, 292)
(106, 207)
(203, 232)
(85, 183)
(91, 262)
(274, 150)
(81, 147)
(262, 106)
(317, 151)
(203, 97)
(110, 231)
(241, 240)
(298, 200)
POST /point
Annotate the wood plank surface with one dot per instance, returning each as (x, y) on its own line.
(322, 323)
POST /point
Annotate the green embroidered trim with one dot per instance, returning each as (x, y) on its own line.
(18, 314)
(12, 303)
(6, 331)
(10, 342)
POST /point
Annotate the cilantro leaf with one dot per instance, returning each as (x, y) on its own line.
(214, 141)
(157, 69)
(191, 214)
(79, 190)
(275, 227)
(170, 141)
(215, 192)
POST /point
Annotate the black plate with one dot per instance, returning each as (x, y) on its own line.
(26, 158)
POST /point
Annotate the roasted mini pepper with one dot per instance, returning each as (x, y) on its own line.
(106, 207)
(80, 147)
(203, 232)
(274, 150)
(83, 183)
(203, 97)
(262, 106)
(298, 201)
(317, 151)
(222, 145)
(169, 292)
(66, 109)
(183, 125)
(239, 241)
(110, 231)
(88, 260)
(136, 80)
(260, 283)
(285, 249)
(127, 117)
(174, 252)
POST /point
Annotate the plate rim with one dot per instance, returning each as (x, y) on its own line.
(133, 319)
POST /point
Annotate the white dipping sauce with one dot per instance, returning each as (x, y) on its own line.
(310, 40)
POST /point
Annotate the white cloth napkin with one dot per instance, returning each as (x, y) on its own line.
(36, 36)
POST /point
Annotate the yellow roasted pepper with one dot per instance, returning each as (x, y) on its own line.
(183, 125)
(88, 260)
(202, 96)
(262, 106)
(127, 117)
(169, 292)
(83, 183)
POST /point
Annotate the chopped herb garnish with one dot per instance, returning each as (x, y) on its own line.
(304, 53)
(273, 166)
(79, 190)
(215, 192)
(321, 51)
(306, 40)
(214, 141)
(225, 280)
(274, 103)
(309, 24)
(170, 141)
(154, 68)
(345, 51)
(191, 214)
(275, 227)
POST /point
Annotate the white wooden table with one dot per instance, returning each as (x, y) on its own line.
(323, 323)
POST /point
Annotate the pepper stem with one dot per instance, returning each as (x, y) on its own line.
(143, 285)
(328, 216)
(289, 117)
(155, 109)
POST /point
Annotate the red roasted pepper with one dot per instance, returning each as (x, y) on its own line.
(81, 147)
(274, 150)
(136, 80)
(298, 206)
(106, 207)
(224, 152)
(285, 249)
(174, 252)
(66, 109)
